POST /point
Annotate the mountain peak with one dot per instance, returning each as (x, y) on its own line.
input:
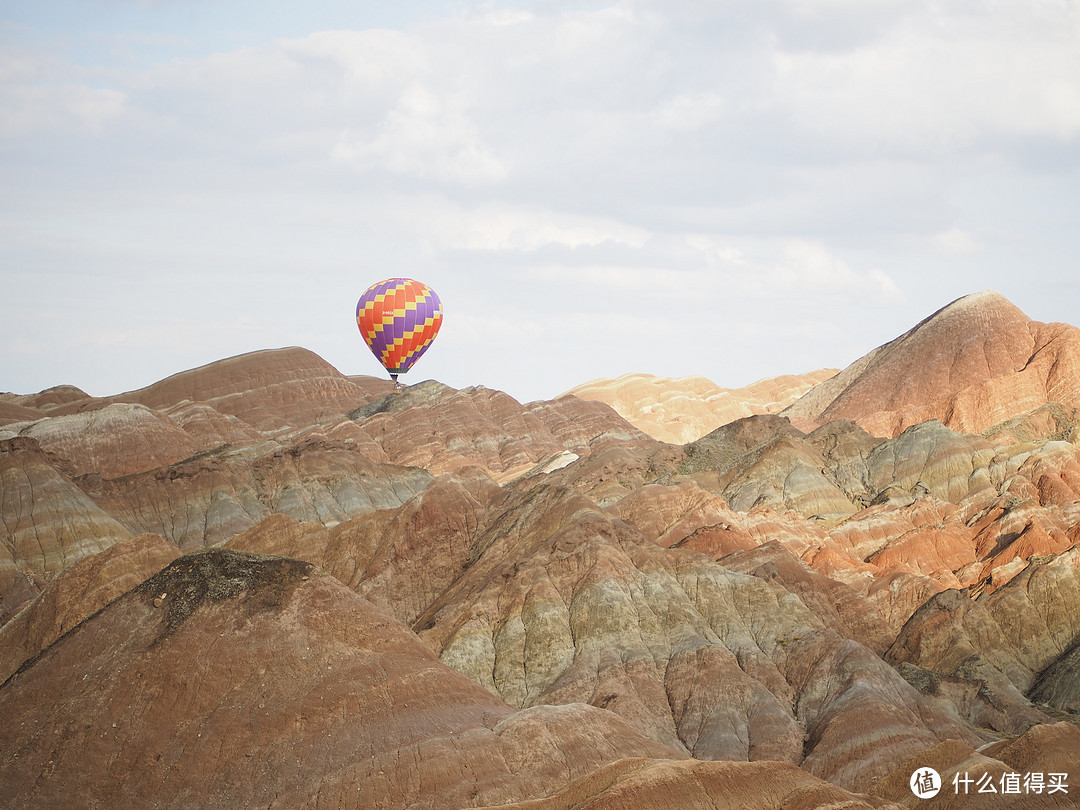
(684, 409)
(976, 312)
(985, 299)
(972, 364)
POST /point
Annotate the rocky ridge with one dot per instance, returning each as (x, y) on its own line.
(439, 596)
(973, 364)
(681, 410)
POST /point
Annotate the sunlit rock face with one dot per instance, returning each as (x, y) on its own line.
(262, 582)
(441, 429)
(1040, 751)
(681, 410)
(972, 365)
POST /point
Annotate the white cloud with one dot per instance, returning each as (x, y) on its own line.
(40, 95)
(374, 60)
(803, 267)
(613, 279)
(426, 135)
(881, 286)
(956, 241)
(32, 110)
(714, 250)
(502, 226)
(502, 16)
(774, 266)
(788, 160)
(943, 77)
(689, 111)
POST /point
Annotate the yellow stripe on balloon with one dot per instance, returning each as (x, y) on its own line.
(400, 341)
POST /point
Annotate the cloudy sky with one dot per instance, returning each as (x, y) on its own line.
(728, 188)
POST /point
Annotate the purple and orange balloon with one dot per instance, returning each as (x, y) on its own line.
(398, 318)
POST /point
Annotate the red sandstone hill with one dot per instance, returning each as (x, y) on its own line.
(973, 364)
(267, 390)
(467, 601)
(211, 452)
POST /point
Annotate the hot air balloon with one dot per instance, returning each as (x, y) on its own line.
(398, 319)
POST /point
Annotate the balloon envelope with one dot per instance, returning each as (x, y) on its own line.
(398, 318)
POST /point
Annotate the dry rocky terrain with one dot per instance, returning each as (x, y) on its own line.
(683, 409)
(263, 583)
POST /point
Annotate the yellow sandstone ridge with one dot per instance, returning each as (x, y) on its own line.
(683, 409)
